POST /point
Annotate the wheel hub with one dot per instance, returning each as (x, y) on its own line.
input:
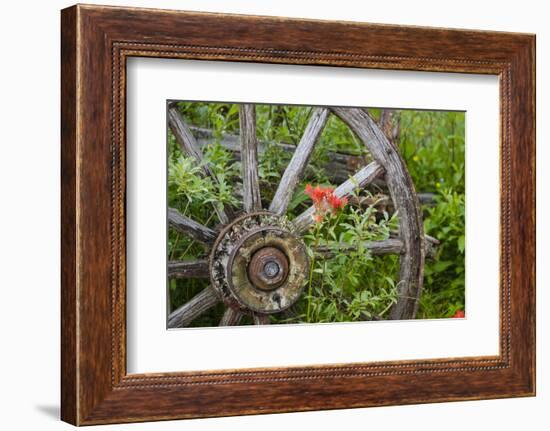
(258, 264)
(268, 268)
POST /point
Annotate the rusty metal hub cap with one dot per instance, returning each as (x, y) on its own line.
(258, 264)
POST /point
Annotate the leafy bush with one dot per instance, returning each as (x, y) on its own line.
(444, 276)
(352, 285)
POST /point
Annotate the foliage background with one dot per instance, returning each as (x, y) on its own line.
(350, 286)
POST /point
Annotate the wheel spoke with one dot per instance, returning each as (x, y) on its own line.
(361, 179)
(188, 269)
(192, 309)
(230, 317)
(249, 158)
(189, 145)
(377, 248)
(190, 227)
(260, 319)
(430, 245)
(297, 166)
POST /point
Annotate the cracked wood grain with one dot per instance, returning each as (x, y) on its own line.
(188, 268)
(297, 165)
(190, 227)
(199, 304)
(249, 158)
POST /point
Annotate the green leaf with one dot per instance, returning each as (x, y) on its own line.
(461, 243)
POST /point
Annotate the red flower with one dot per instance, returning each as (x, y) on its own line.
(324, 201)
(336, 203)
(318, 193)
(459, 314)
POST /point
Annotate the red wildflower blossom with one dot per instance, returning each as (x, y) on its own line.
(324, 201)
(459, 314)
(318, 193)
(336, 203)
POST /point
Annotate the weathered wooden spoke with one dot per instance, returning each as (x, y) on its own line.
(249, 158)
(189, 145)
(297, 166)
(188, 269)
(190, 227)
(230, 317)
(406, 203)
(260, 319)
(376, 248)
(192, 309)
(360, 180)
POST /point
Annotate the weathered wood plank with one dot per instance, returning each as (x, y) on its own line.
(193, 308)
(406, 203)
(230, 317)
(188, 269)
(190, 227)
(361, 179)
(297, 166)
(189, 145)
(249, 158)
(339, 166)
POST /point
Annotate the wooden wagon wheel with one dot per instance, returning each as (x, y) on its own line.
(258, 262)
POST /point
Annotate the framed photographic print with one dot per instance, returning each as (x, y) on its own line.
(268, 215)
